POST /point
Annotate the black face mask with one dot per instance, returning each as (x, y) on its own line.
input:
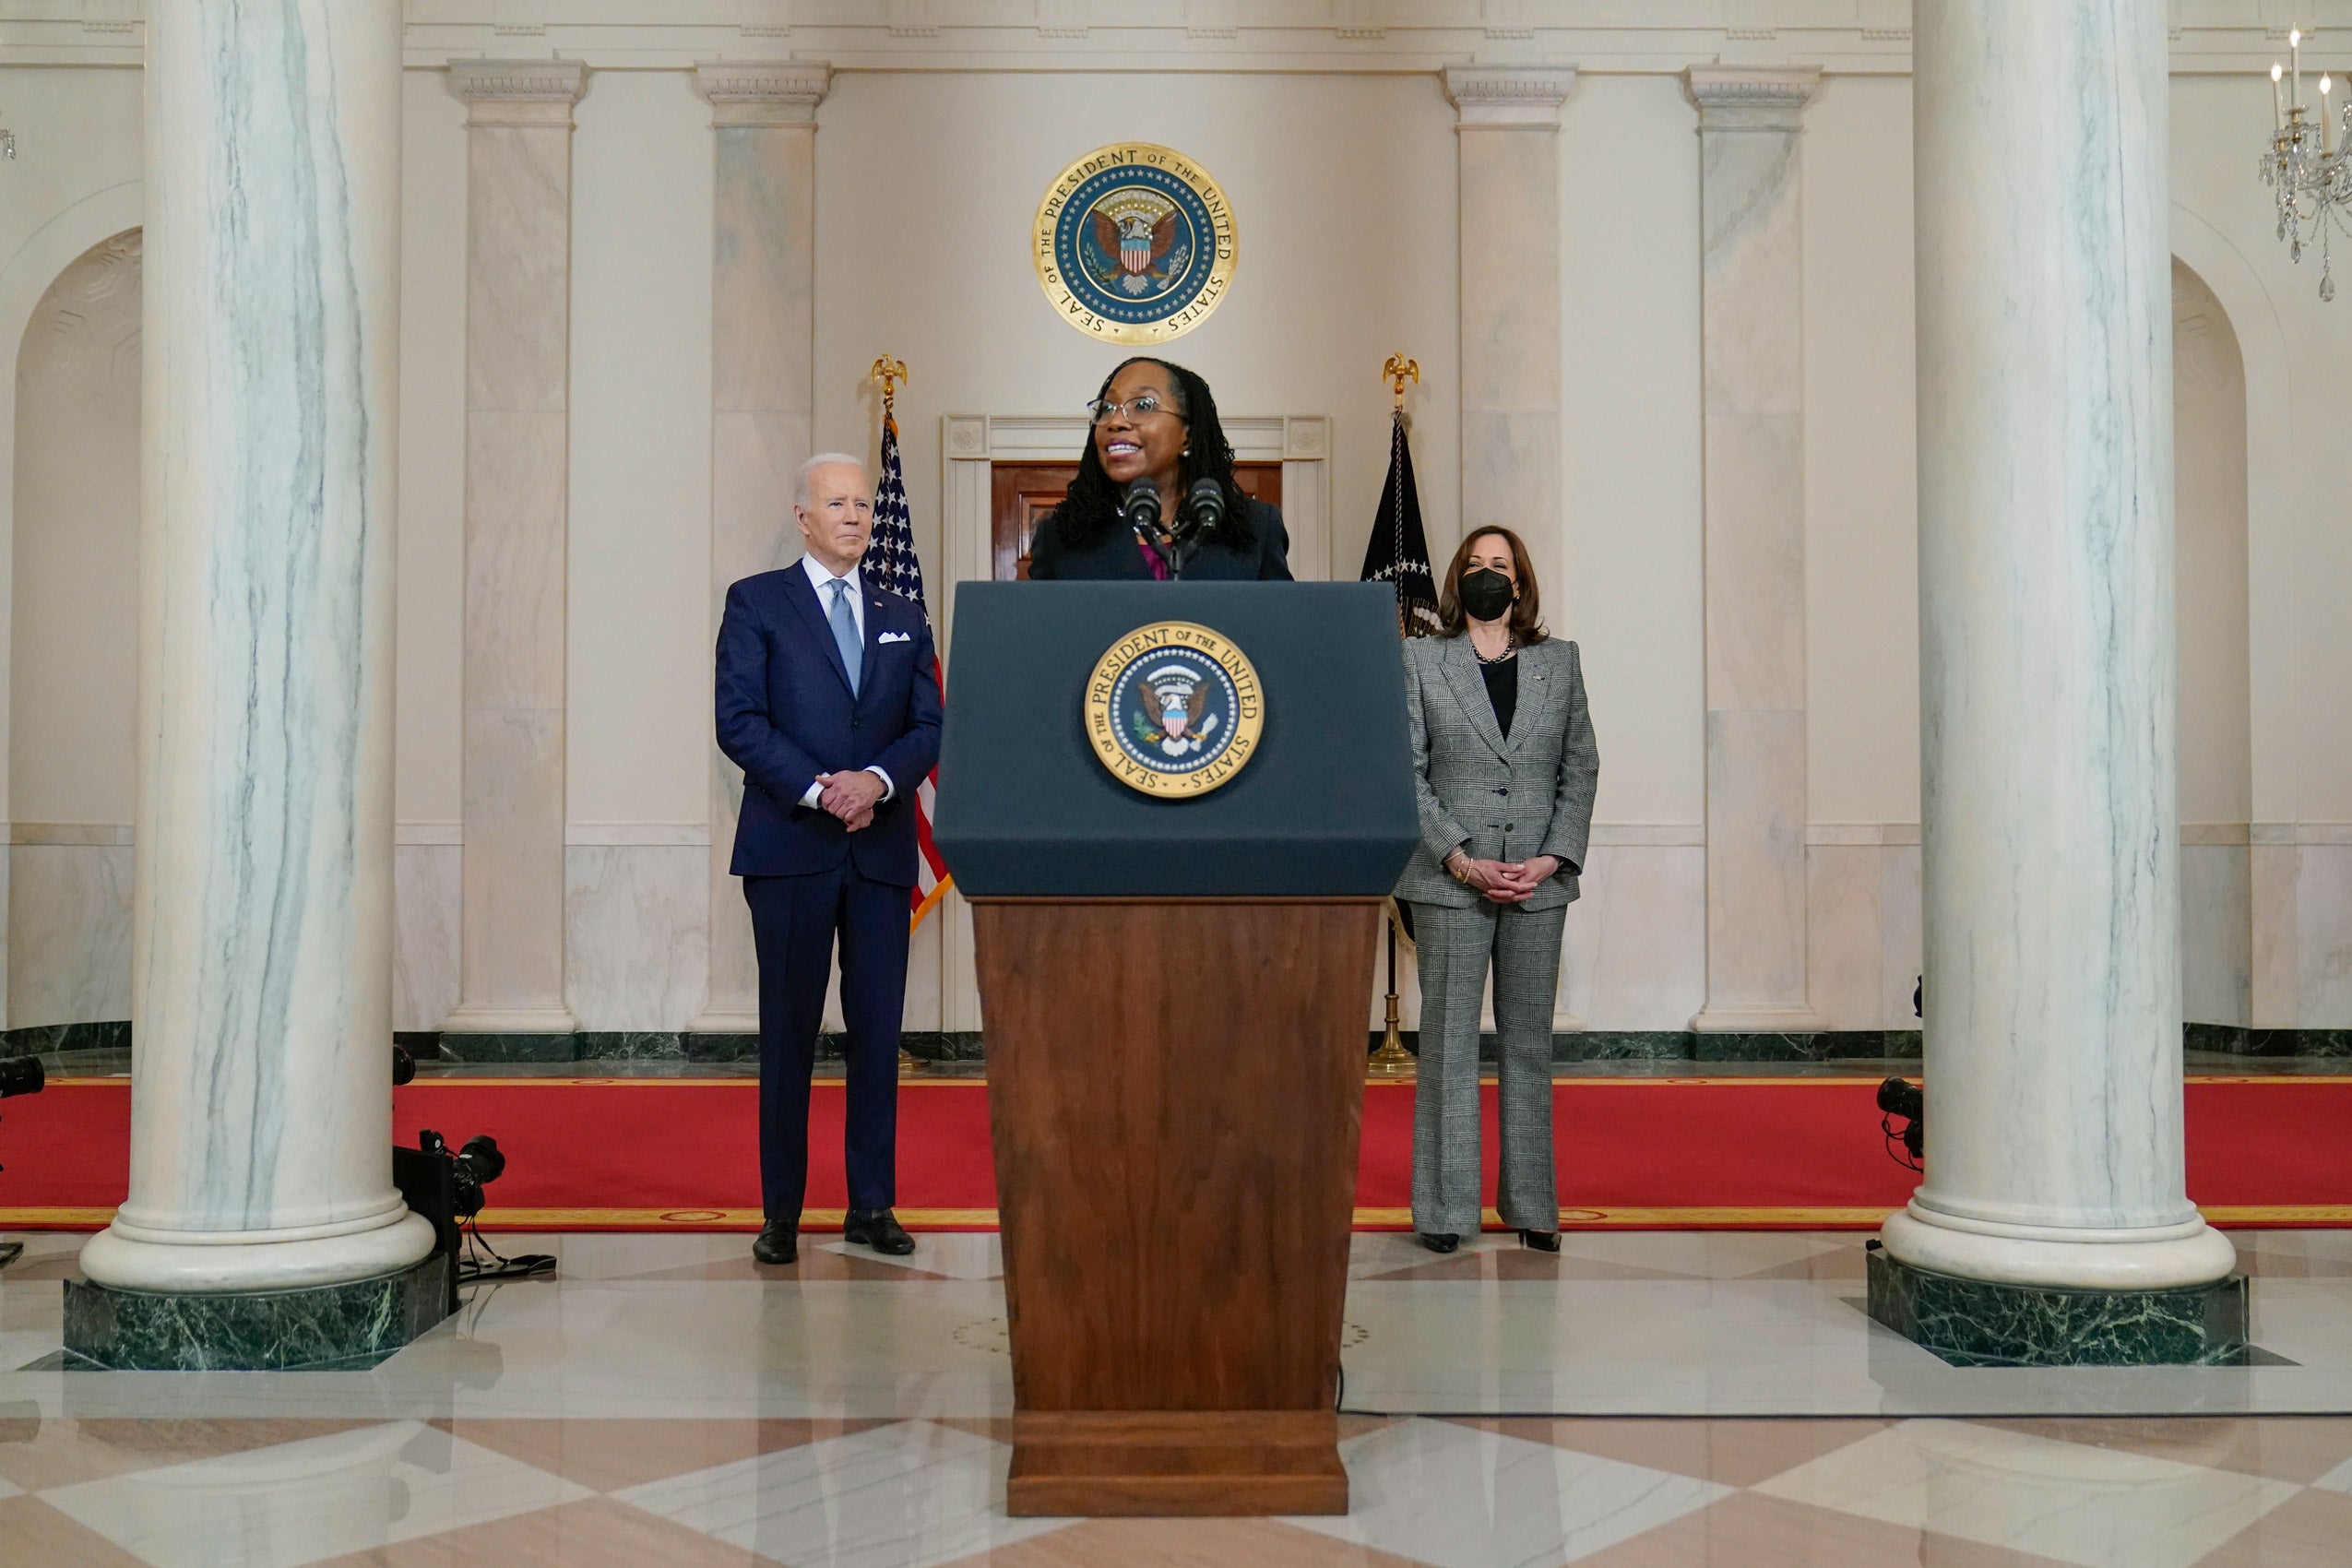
(1485, 593)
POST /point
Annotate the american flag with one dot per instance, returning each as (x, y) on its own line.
(896, 569)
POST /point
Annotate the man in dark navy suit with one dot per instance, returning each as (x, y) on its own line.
(828, 700)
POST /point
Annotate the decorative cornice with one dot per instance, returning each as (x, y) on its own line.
(779, 92)
(1510, 96)
(519, 92)
(1751, 98)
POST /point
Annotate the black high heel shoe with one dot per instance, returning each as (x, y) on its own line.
(1438, 1242)
(1540, 1240)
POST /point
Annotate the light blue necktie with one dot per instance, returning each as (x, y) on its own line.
(845, 633)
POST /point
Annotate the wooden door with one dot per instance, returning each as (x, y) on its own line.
(1024, 493)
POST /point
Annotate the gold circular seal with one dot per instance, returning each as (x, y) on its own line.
(1135, 244)
(1174, 709)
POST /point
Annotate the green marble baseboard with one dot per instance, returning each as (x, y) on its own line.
(346, 1326)
(1976, 1323)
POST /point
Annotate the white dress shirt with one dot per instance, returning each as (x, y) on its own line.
(821, 579)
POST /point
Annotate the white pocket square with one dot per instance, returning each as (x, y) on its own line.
(894, 638)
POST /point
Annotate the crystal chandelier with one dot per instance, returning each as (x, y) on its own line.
(2308, 163)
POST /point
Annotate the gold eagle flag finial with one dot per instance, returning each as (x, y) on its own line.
(889, 372)
(1399, 371)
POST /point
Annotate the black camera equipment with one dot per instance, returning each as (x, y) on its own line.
(19, 1074)
(446, 1189)
(404, 1066)
(1900, 1100)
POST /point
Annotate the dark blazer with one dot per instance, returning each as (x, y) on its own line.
(1504, 800)
(1115, 555)
(784, 715)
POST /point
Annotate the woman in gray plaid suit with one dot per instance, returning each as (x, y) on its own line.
(1504, 766)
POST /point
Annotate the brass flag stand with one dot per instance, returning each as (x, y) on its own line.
(1391, 1060)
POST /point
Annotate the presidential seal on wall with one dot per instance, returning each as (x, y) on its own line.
(1174, 709)
(1135, 244)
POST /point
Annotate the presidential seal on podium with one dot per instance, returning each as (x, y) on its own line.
(1135, 244)
(1174, 709)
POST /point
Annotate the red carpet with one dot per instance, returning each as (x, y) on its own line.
(1714, 1153)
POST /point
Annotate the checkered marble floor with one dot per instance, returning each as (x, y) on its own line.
(1447, 1493)
(665, 1400)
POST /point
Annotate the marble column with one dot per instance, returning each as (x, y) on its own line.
(1508, 129)
(2047, 662)
(1752, 371)
(518, 264)
(762, 355)
(261, 1102)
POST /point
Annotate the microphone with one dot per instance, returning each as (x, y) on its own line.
(1203, 506)
(1140, 507)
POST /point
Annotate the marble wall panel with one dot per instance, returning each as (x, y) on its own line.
(1755, 561)
(425, 904)
(518, 286)
(1843, 935)
(1900, 942)
(516, 477)
(2324, 935)
(636, 925)
(1635, 953)
(69, 933)
(2276, 985)
(514, 876)
(2217, 935)
(1755, 861)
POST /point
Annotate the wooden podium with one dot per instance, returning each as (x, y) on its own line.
(1175, 1002)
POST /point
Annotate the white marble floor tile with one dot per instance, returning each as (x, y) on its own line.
(2338, 1480)
(2100, 1507)
(957, 1254)
(9, 1489)
(1455, 1498)
(301, 1502)
(904, 1496)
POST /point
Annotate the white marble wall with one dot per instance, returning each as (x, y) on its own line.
(68, 887)
(637, 920)
(762, 367)
(1752, 270)
(1863, 923)
(428, 874)
(1634, 954)
(518, 215)
(1509, 136)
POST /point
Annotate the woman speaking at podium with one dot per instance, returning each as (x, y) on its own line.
(1504, 767)
(1155, 495)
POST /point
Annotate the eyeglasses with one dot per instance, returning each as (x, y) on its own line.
(1134, 408)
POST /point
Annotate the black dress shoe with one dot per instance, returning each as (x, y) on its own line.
(1541, 1241)
(878, 1228)
(779, 1242)
(1439, 1240)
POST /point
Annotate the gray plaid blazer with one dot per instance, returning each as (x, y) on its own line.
(1506, 800)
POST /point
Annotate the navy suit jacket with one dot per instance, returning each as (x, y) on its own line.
(784, 715)
(1113, 555)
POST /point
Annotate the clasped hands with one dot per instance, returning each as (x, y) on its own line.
(850, 796)
(1503, 882)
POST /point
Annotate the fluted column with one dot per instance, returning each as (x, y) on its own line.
(1508, 130)
(1753, 371)
(2045, 607)
(261, 1103)
(763, 356)
(518, 272)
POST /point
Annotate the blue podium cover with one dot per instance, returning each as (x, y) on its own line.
(1322, 808)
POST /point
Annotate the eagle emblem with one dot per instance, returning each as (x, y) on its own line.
(1136, 234)
(1172, 712)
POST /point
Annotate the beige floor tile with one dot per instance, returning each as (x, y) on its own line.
(2311, 1529)
(59, 1451)
(1748, 1531)
(1523, 1262)
(1183, 1543)
(608, 1454)
(1735, 1452)
(2288, 1448)
(33, 1535)
(596, 1533)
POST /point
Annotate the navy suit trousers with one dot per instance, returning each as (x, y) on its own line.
(794, 922)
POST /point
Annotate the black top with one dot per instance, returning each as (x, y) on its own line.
(1503, 689)
(1114, 556)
